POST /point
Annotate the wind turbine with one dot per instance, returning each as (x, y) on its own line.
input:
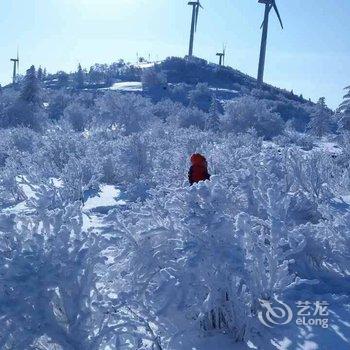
(195, 12)
(15, 68)
(269, 4)
(222, 56)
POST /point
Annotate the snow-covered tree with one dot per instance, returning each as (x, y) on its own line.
(213, 119)
(320, 123)
(40, 74)
(344, 121)
(62, 79)
(27, 110)
(31, 89)
(79, 77)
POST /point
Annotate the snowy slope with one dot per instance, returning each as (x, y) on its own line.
(127, 86)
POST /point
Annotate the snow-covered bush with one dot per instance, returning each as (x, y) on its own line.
(326, 255)
(78, 176)
(201, 97)
(179, 93)
(10, 191)
(23, 140)
(188, 241)
(153, 81)
(131, 112)
(59, 100)
(295, 138)
(24, 114)
(166, 109)
(50, 273)
(124, 160)
(182, 252)
(77, 115)
(188, 117)
(312, 175)
(7, 99)
(60, 143)
(295, 113)
(246, 112)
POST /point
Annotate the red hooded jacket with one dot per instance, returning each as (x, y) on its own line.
(199, 169)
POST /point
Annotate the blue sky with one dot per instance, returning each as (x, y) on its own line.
(311, 55)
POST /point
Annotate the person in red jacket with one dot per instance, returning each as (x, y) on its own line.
(198, 170)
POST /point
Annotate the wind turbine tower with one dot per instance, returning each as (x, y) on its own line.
(195, 12)
(269, 4)
(222, 56)
(15, 68)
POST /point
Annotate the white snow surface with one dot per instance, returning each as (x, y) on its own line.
(224, 90)
(107, 197)
(329, 147)
(145, 65)
(128, 86)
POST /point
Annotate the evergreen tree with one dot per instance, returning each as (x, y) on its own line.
(63, 79)
(344, 109)
(31, 89)
(345, 105)
(213, 120)
(27, 109)
(79, 77)
(40, 74)
(320, 123)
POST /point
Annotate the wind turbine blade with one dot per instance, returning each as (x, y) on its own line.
(277, 13)
(196, 20)
(269, 10)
